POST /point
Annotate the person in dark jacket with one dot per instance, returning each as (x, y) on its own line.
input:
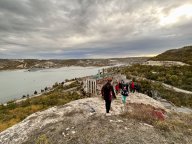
(108, 94)
(124, 94)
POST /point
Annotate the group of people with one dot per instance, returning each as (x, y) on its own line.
(108, 93)
(129, 86)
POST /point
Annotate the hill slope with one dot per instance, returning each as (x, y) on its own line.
(84, 121)
(183, 54)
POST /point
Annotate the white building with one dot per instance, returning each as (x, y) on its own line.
(91, 86)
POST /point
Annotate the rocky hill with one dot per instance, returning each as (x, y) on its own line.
(183, 54)
(142, 120)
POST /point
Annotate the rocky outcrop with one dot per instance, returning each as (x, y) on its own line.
(84, 121)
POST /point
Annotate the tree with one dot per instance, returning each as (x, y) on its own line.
(35, 92)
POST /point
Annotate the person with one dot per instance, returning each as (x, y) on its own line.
(138, 87)
(108, 94)
(132, 87)
(117, 88)
(124, 94)
(121, 84)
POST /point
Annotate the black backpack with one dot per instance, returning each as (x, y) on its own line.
(124, 93)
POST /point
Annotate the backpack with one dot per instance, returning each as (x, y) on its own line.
(124, 93)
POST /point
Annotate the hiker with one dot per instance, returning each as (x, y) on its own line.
(132, 87)
(120, 84)
(123, 84)
(138, 87)
(108, 94)
(124, 94)
(117, 88)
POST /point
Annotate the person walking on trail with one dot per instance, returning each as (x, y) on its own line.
(108, 94)
(132, 87)
(117, 89)
(124, 94)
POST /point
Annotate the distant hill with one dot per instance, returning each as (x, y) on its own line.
(182, 54)
(10, 64)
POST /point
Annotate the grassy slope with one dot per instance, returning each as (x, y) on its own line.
(14, 113)
(183, 54)
(177, 76)
(180, 77)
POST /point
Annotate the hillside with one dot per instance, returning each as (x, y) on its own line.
(84, 121)
(11, 64)
(183, 54)
(180, 77)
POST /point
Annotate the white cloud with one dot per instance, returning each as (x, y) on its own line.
(33, 26)
(177, 14)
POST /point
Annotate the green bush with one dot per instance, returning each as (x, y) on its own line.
(180, 77)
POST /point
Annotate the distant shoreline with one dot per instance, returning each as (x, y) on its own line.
(48, 86)
(18, 100)
(18, 64)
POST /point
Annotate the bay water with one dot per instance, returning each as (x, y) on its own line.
(16, 83)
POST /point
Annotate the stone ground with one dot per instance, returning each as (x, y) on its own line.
(84, 122)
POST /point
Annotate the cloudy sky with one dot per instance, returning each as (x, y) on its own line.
(93, 28)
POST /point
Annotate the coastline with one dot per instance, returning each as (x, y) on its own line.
(40, 94)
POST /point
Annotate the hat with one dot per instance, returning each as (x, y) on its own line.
(109, 79)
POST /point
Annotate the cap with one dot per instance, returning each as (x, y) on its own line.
(109, 79)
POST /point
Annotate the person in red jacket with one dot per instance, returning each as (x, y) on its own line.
(108, 94)
(132, 87)
(117, 88)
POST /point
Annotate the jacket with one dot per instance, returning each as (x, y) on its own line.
(107, 91)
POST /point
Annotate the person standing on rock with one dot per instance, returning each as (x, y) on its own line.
(108, 94)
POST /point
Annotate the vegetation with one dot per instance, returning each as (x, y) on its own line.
(180, 77)
(183, 54)
(16, 112)
(174, 122)
(146, 77)
(6, 64)
(42, 139)
(177, 98)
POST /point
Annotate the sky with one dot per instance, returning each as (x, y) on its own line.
(63, 29)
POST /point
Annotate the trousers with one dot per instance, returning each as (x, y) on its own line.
(107, 105)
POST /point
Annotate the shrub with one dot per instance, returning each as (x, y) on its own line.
(15, 112)
(42, 139)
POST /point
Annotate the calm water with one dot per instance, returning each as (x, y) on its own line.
(14, 84)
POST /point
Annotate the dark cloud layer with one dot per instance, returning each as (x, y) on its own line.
(92, 28)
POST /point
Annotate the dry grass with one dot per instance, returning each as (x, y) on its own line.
(42, 139)
(16, 115)
(73, 112)
(16, 112)
(176, 122)
(173, 122)
(141, 112)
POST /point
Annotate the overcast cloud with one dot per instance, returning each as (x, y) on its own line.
(93, 28)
